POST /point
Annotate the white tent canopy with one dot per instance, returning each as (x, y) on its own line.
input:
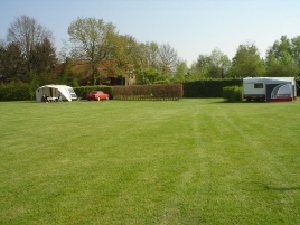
(53, 90)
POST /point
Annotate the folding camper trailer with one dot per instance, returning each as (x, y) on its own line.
(270, 89)
(55, 92)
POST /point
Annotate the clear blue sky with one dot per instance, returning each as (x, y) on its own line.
(192, 27)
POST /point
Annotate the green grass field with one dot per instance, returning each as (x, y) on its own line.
(193, 161)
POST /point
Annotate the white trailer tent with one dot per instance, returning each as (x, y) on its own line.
(270, 89)
(54, 91)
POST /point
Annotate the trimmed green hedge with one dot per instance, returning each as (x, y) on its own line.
(233, 93)
(16, 92)
(209, 88)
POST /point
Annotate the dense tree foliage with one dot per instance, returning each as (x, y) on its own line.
(168, 59)
(29, 56)
(295, 45)
(247, 62)
(214, 65)
(11, 62)
(92, 40)
(124, 56)
(182, 72)
(194, 73)
(282, 58)
(27, 33)
(43, 60)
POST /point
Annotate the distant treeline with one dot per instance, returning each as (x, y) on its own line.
(96, 54)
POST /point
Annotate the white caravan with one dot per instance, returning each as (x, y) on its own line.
(270, 89)
(55, 92)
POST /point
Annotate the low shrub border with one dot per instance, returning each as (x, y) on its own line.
(233, 93)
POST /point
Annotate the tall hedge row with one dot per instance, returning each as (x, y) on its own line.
(148, 92)
(209, 88)
(16, 92)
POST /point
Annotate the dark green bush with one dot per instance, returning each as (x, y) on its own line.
(209, 88)
(233, 93)
(16, 91)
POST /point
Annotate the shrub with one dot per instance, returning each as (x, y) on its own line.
(16, 91)
(161, 82)
(233, 93)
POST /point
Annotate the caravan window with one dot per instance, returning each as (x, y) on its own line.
(258, 85)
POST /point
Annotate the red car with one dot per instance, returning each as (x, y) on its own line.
(97, 96)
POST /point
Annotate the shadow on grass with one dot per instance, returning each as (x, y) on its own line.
(35, 102)
(241, 102)
(267, 187)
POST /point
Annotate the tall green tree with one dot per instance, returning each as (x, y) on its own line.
(216, 64)
(295, 45)
(92, 40)
(282, 58)
(283, 66)
(148, 76)
(168, 59)
(148, 56)
(125, 55)
(182, 72)
(12, 62)
(44, 57)
(247, 62)
(194, 73)
(220, 64)
(44, 62)
(203, 64)
(67, 71)
(281, 47)
(152, 55)
(26, 32)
